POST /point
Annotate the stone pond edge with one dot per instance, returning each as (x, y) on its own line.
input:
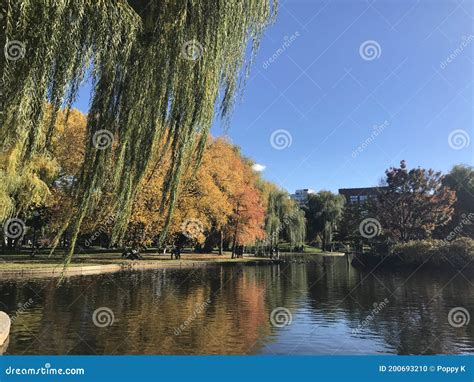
(5, 324)
(112, 268)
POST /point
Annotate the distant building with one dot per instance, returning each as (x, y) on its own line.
(301, 196)
(360, 195)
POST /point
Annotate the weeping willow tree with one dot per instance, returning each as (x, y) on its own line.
(159, 69)
(284, 219)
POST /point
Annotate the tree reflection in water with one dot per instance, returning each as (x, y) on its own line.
(226, 310)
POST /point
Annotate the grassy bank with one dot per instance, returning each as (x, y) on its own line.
(17, 265)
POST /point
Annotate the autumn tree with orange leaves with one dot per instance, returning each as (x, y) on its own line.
(220, 200)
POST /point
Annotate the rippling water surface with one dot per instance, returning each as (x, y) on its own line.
(330, 308)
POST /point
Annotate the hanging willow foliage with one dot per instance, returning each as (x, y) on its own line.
(159, 68)
(284, 219)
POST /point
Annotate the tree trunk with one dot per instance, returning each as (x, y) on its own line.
(233, 245)
(234, 240)
(221, 243)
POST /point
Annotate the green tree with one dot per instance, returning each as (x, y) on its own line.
(348, 227)
(284, 219)
(159, 68)
(461, 180)
(323, 213)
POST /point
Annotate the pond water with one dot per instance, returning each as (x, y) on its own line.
(329, 308)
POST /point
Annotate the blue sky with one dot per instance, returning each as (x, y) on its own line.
(324, 92)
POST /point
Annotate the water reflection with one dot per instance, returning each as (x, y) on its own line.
(226, 310)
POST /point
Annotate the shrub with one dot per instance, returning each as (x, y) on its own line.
(458, 253)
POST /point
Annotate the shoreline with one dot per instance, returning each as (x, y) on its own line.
(43, 266)
(369, 261)
(125, 265)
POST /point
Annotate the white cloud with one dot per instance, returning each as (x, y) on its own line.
(258, 167)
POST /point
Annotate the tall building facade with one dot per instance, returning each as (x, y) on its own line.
(301, 196)
(360, 195)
